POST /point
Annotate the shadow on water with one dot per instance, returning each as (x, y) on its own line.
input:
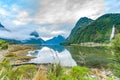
(90, 56)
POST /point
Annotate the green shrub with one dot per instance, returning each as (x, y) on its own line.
(8, 72)
(56, 72)
(4, 44)
(79, 72)
(116, 50)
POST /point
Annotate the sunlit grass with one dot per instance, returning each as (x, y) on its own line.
(9, 72)
(40, 75)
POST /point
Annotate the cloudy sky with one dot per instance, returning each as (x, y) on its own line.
(49, 17)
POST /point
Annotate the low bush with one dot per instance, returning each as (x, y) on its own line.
(8, 72)
(116, 55)
(3, 44)
(76, 73)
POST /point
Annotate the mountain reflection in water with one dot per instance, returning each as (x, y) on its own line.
(72, 55)
(53, 54)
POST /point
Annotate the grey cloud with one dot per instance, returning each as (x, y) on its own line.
(63, 14)
(13, 35)
(54, 30)
(73, 4)
(68, 11)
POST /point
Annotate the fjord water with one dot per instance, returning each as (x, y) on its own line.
(71, 56)
(53, 54)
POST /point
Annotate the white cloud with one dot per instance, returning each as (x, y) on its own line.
(22, 18)
(14, 8)
(17, 22)
(13, 35)
(57, 32)
(46, 38)
(62, 12)
(42, 29)
(68, 11)
(48, 31)
(14, 15)
(3, 12)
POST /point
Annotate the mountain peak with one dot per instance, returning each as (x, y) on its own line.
(83, 20)
(34, 33)
(60, 36)
(1, 26)
(55, 40)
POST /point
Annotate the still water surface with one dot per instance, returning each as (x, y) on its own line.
(72, 55)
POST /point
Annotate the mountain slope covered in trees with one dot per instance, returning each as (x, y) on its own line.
(98, 30)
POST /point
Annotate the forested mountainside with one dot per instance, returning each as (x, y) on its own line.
(99, 30)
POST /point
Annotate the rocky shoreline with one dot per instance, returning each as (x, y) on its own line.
(17, 53)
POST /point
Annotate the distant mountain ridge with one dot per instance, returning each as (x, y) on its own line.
(34, 33)
(55, 40)
(98, 30)
(35, 40)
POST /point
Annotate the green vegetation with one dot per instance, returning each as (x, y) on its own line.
(29, 72)
(56, 72)
(8, 72)
(3, 44)
(98, 30)
(79, 72)
(116, 50)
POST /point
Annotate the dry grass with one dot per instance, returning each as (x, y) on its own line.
(40, 74)
(97, 73)
(21, 52)
(4, 52)
(13, 56)
(18, 52)
(102, 74)
(25, 57)
(14, 48)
